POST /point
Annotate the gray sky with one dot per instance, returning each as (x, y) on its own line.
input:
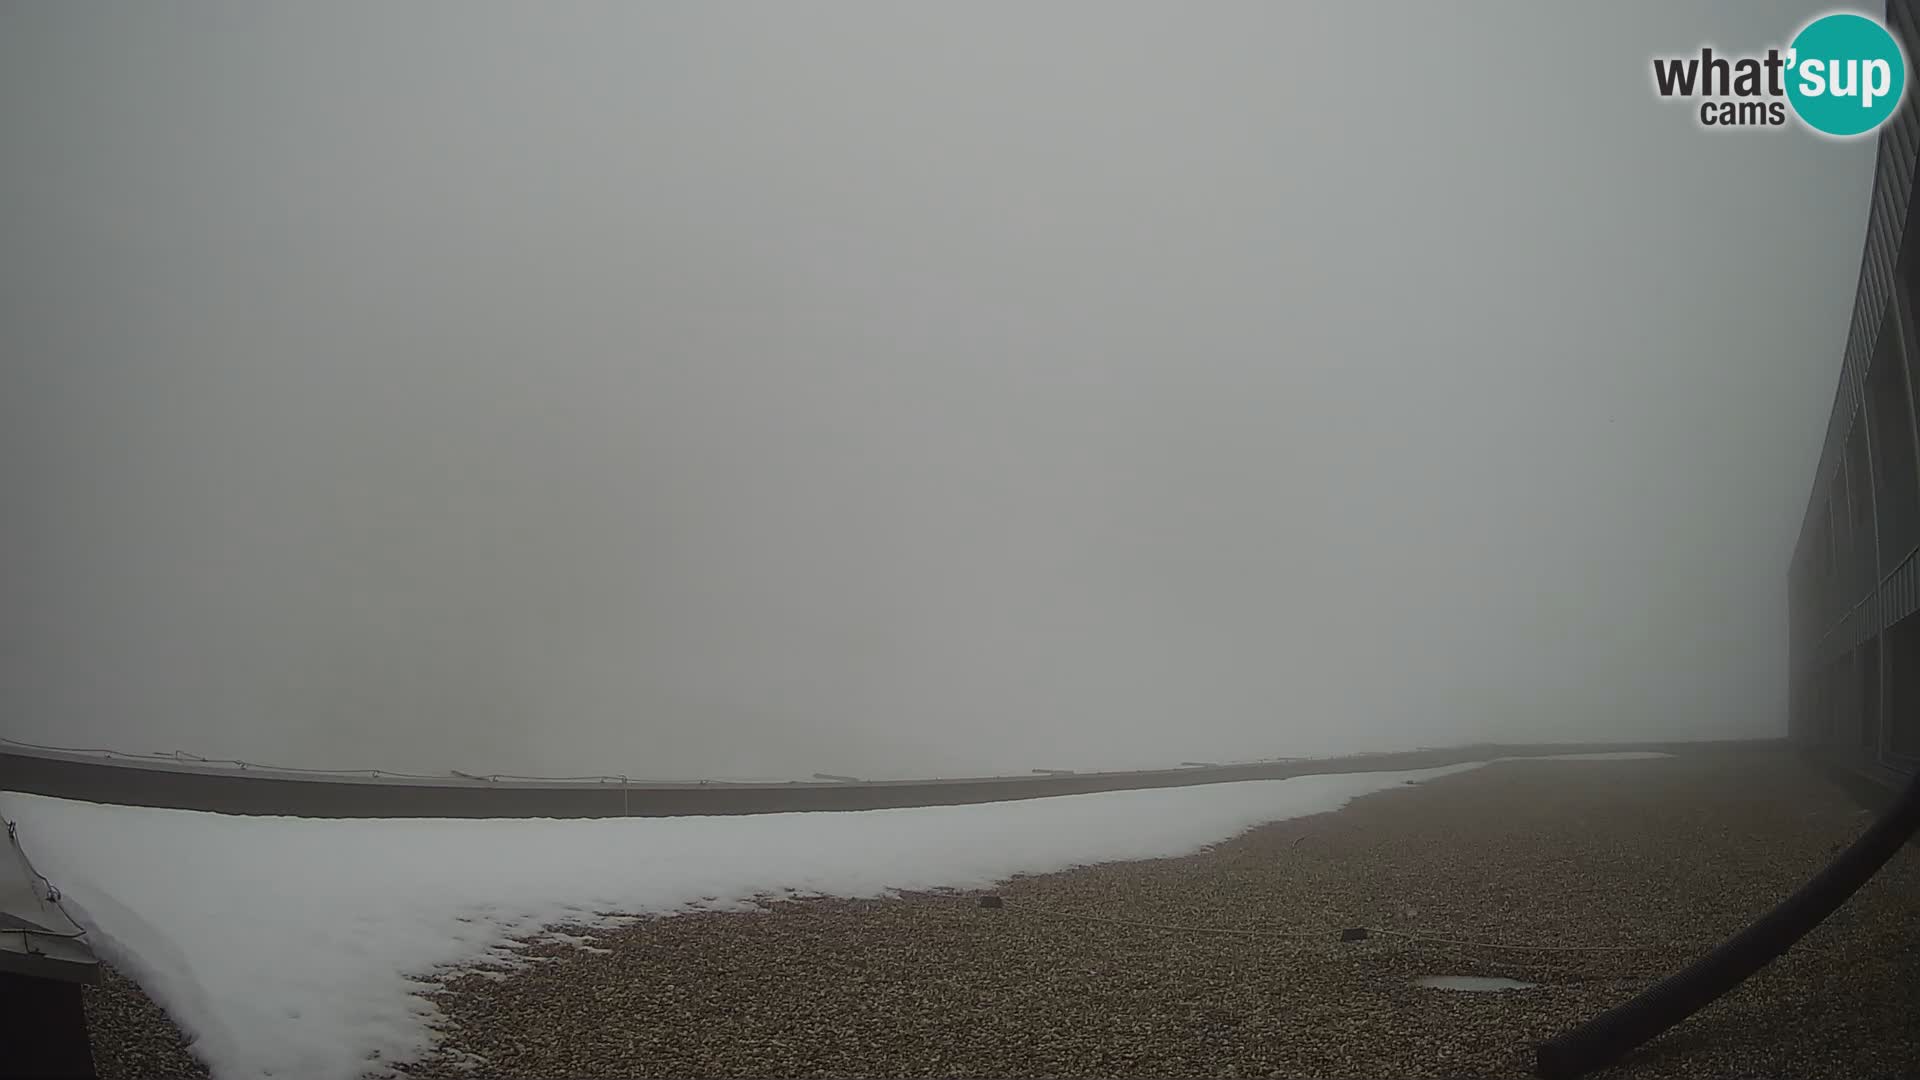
(701, 389)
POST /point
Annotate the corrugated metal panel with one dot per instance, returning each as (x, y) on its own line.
(1898, 150)
(1880, 267)
(1906, 140)
(1879, 232)
(1903, 20)
(1886, 184)
(1879, 262)
(1834, 615)
(1901, 593)
(1852, 620)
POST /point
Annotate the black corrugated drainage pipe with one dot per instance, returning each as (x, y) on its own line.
(1613, 1034)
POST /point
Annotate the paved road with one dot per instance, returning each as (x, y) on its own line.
(233, 791)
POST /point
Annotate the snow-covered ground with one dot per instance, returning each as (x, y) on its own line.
(287, 947)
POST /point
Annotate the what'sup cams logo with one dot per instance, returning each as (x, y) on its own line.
(1843, 74)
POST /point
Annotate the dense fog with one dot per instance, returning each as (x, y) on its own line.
(750, 390)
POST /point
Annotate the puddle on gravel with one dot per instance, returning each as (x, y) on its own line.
(1476, 984)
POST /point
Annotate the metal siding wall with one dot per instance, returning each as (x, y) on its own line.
(1900, 596)
(1837, 613)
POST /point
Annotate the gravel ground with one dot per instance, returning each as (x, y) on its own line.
(1672, 854)
(132, 1037)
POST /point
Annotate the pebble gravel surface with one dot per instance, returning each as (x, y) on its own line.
(1654, 860)
(132, 1037)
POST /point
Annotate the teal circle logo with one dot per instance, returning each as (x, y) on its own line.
(1846, 74)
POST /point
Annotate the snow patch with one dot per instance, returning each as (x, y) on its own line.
(298, 947)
